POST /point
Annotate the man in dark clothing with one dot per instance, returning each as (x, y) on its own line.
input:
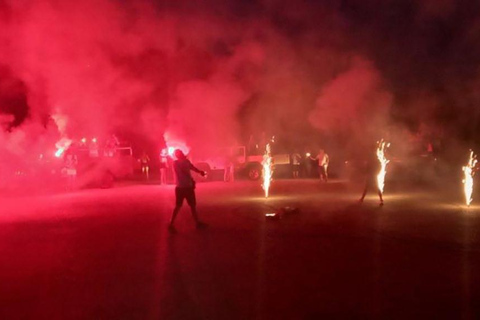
(372, 169)
(185, 188)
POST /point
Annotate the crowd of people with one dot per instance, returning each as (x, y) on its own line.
(310, 165)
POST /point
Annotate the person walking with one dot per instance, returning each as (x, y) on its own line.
(185, 188)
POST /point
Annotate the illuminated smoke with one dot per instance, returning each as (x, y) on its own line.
(206, 74)
(353, 102)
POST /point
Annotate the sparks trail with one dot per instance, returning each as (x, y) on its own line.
(381, 145)
(267, 164)
(469, 172)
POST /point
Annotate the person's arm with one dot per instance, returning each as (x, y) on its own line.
(193, 168)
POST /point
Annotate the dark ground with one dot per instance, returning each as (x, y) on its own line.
(106, 254)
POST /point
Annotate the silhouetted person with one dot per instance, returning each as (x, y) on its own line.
(185, 188)
(145, 164)
(70, 162)
(296, 161)
(372, 169)
(163, 166)
(311, 163)
(323, 161)
(229, 171)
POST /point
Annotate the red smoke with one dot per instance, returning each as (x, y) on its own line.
(208, 75)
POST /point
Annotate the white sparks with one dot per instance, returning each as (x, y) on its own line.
(267, 164)
(469, 171)
(381, 145)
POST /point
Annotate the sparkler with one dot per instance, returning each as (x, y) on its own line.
(267, 170)
(469, 171)
(381, 145)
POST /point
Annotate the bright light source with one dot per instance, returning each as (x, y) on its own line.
(62, 145)
(267, 169)
(272, 216)
(59, 152)
(469, 171)
(381, 145)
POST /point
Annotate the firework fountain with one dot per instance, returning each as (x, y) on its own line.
(381, 146)
(469, 172)
(267, 171)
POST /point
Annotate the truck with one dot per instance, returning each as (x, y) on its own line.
(106, 167)
(245, 164)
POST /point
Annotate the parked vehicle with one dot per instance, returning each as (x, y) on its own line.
(247, 165)
(103, 169)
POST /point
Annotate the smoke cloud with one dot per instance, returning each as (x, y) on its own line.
(214, 73)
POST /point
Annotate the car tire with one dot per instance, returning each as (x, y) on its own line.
(254, 172)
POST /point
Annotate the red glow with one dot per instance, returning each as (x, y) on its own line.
(173, 144)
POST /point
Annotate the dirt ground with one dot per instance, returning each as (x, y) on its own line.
(107, 254)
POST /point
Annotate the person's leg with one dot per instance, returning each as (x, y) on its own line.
(162, 176)
(192, 202)
(179, 195)
(380, 196)
(325, 173)
(365, 190)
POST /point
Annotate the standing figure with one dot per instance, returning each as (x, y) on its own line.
(310, 163)
(163, 167)
(372, 169)
(185, 188)
(93, 148)
(144, 162)
(232, 169)
(111, 145)
(229, 171)
(323, 161)
(296, 160)
(70, 162)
